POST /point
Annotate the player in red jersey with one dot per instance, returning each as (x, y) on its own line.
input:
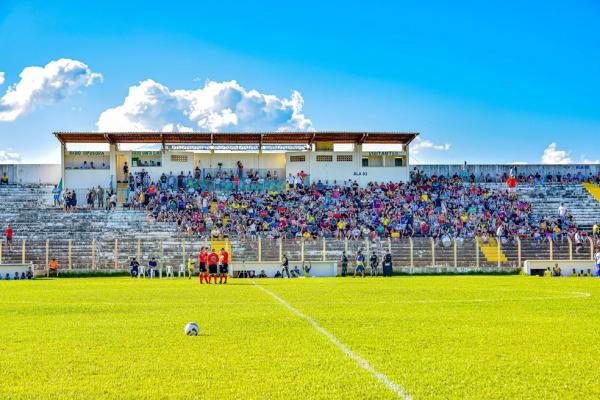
(213, 261)
(202, 258)
(224, 267)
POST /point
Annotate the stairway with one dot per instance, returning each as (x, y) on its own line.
(593, 189)
(217, 245)
(490, 250)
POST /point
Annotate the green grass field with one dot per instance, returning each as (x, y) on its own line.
(436, 337)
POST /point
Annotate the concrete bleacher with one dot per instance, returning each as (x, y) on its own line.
(545, 200)
(105, 240)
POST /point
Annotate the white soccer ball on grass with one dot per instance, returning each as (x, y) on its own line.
(192, 329)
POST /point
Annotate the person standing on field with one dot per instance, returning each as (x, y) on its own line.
(344, 264)
(374, 263)
(360, 264)
(285, 266)
(202, 260)
(223, 266)
(213, 261)
(191, 264)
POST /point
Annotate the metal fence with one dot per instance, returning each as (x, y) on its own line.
(410, 255)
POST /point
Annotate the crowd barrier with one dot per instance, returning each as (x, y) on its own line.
(411, 255)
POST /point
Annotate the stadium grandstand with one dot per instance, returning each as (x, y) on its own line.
(311, 196)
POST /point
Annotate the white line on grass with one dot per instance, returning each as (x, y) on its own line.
(359, 360)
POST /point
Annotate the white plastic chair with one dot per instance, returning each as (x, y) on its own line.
(181, 270)
(170, 271)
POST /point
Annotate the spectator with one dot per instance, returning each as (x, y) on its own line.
(56, 195)
(4, 179)
(152, 267)
(100, 196)
(53, 268)
(134, 268)
(8, 234)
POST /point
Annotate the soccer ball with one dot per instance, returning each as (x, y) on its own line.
(192, 329)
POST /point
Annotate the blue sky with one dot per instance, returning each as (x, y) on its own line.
(483, 82)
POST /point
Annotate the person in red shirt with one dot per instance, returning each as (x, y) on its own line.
(202, 258)
(9, 236)
(224, 267)
(213, 261)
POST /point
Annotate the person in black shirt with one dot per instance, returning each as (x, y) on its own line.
(152, 264)
(134, 267)
(374, 263)
(285, 266)
(387, 264)
(344, 264)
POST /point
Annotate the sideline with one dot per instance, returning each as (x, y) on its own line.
(359, 360)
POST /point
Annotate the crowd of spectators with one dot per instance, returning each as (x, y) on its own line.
(521, 178)
(443, 208)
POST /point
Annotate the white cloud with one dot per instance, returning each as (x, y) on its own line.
(9, 157)
(586, 161)
(1, 78)
(419, 144)
(554, 156)
(45, 86)
(216, 107)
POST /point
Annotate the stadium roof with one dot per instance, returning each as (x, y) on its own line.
(237, 138)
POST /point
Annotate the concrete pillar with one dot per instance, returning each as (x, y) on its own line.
(412, 254)
(455, 253)
(116, 254)
(259, 249)
(280, 250)
(302, 250)
(432, 252)
(324, 251)
(23, 251)
(570, 248)
(113, 165)
(0, 252)
(551, 248)
(63, 150)
(161, 255)
(70, 254)
(519, 253)
(47, 254)
(94, 266)
(498, 253)
(477, 251)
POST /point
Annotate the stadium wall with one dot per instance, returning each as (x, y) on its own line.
(47, 174)
(493, 169)
(50, 173)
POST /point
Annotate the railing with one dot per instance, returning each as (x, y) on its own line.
(409, 254)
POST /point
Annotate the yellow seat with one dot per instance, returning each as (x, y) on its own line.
(222, 244)
(490, 250)
(593, 189)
